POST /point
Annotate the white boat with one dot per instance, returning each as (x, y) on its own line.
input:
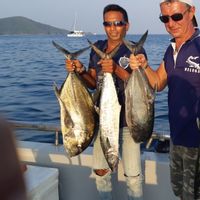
(76, 180)
(75, 33)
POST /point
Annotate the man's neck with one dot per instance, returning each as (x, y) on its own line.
(187, 36)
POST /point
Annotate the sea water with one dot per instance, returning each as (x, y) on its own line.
(29, 66)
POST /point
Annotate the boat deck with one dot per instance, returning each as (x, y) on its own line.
(41, 183)
(77, 182)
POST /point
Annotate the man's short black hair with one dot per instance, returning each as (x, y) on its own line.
(115, 7)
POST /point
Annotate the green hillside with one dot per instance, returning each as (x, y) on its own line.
(21, 25)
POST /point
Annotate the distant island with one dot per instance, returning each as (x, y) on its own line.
(23, 26)
(19, 25)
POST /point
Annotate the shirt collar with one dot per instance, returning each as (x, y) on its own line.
(196, 33)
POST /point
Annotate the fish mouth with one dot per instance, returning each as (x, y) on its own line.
(113, 162)
(112, 159)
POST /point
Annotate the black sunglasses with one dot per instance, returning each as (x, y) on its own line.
(115, 23)
(175, 17)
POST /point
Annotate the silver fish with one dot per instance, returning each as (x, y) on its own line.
(77, 114)
(139, 100)
(109, 115)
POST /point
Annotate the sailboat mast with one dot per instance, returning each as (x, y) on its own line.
(75, 21)
(75, 33)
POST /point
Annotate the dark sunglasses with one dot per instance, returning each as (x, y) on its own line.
(115, 23)
(175, 17)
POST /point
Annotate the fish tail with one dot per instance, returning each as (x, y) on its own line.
(56, 90)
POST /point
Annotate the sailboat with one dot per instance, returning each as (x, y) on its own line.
(75, 33)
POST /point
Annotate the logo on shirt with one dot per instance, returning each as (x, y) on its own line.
(194, 66)
(124, 62)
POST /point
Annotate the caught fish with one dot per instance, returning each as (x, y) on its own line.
(77, 113)
(139, 99)
(109, 113)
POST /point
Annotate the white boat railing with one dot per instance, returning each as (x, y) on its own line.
(57, 131)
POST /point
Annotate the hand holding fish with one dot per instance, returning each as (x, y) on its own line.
(108, 65)
(138, 61)
(74, 65)
(69, 65)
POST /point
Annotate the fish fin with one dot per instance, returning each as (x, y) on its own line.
(68, 54)
(63, 50)
(101, 53)
(96, 95)
(56, 90)
(108, 143)
(141, 42)
(135, 48)
(98, 51)
(129, 45)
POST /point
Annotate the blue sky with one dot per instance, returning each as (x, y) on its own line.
(143, 14)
